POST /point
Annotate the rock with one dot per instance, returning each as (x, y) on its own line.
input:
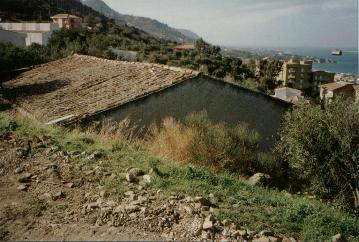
(69, 185)
(22, 187)
(208, 222)
(266, 233)
(188, 209)
(132, 208)
(130, 178)
(213, 199)
(196, 227)
(148, 179)
(226, 233)
(251, 233)
(273, 239)
(259, 179)
(102, 193)
(241, 233)
(203, 201)
(226, 223)
(45, 196)
(205, 235)
(136, 172)
(171, 235)
(96, 155)
(18, 170)
(338, 238)
(25, 178)
(131, 195)
(205, 208)
(58, 195)
(291, 239)
(262, 239)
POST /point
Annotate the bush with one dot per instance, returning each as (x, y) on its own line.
(13, 57)
(228, 149)
(202, 142)
(321, 145)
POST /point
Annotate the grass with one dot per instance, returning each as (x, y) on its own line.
(255, 208)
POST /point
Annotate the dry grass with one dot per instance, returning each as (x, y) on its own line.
(172, 141)
(109, 131)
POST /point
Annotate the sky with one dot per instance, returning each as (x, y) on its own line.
(261, 23)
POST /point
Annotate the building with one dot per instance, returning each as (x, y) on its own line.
(297, 74)
(321, 78)
(356, 88)
(38, 33)
(84, 88)
(184, 47)
(67, 21)
(289, 94)
(12, 37)
(332, 90)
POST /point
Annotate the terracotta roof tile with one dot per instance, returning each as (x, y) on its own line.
(332, 86)
(64, 15)
(81, 86)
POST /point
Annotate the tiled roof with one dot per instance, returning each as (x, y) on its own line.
(332, 86)
(185, 47)
(64, 15)
(80, 86)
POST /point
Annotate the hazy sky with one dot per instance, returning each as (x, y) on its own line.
(300, 23)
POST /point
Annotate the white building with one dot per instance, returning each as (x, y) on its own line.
(288, 94)
(38, 33)
(12, 37)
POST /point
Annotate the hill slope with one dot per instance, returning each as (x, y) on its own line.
(62, 183)
(148, 25)
(41, 10)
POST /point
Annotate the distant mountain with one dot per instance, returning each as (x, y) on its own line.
(148, 25)
(189, 34)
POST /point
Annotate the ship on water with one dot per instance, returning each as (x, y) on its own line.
(337, 52)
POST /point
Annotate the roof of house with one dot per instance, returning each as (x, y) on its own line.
(356, 87)
(64, 15)
(333, 86)
(288, 94)
(80, 86)
(290, 90)
(185, 47)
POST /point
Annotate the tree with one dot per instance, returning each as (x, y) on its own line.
(321, 146)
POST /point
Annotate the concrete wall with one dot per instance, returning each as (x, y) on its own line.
(222, 101)
(14, 38)
(38, 33)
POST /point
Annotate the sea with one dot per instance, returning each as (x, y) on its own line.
(347, 63)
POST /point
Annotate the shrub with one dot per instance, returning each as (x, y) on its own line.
(199, 141)
(321, 145)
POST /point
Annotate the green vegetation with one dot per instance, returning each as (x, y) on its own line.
(202, 142)
(13, 57)
(252, 207)
(321, 146)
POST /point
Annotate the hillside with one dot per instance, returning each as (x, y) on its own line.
(68, 185)
(41, 10)
(148, 25)
(189, 33)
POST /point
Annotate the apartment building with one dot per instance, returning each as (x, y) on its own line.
(297, 74)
